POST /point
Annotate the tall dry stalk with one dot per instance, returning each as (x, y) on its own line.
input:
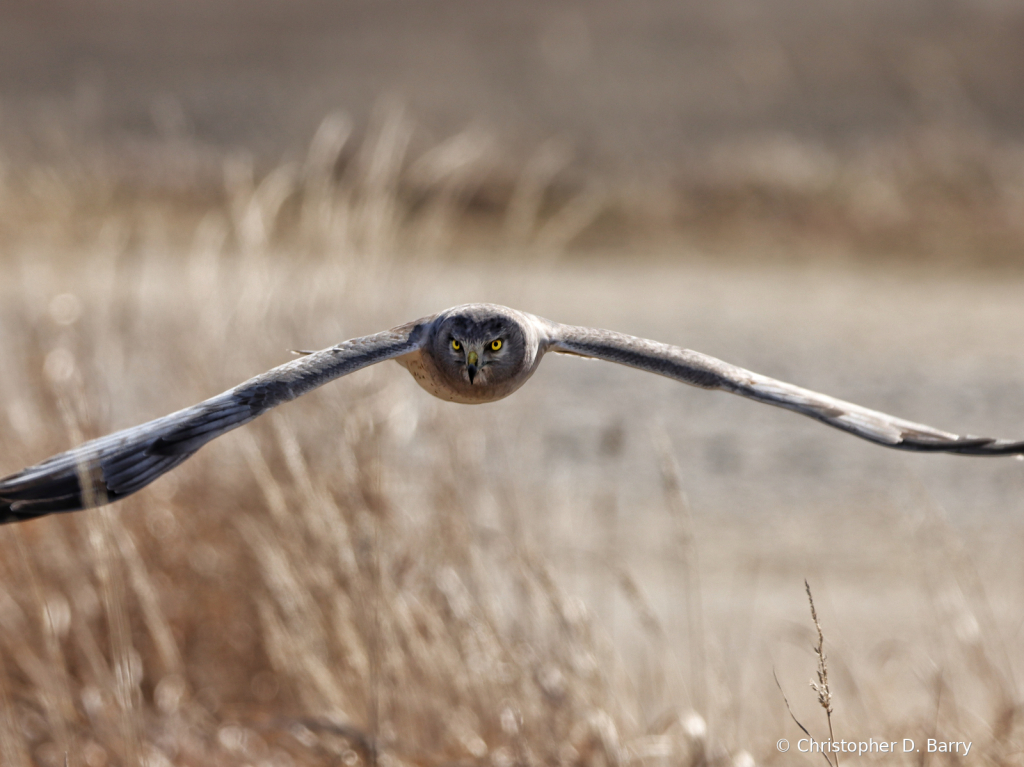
(821, 687)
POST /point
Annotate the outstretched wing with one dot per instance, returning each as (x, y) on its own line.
(709, 373)
(123, 462)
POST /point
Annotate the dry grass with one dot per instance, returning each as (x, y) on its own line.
(942, 194)
(320, 587)
(316, 590)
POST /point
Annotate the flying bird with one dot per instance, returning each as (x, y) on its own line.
(469, 354)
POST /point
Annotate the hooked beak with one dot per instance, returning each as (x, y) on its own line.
(471, 365)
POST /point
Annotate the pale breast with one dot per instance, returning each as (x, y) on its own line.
(430, 378)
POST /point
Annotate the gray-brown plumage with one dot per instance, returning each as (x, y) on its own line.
(469, 354)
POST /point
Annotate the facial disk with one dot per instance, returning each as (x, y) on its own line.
(480, 354)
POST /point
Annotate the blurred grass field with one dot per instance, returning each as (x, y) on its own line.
(590, 573)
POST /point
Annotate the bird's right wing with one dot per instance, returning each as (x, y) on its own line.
(707, 372)
(121, 463)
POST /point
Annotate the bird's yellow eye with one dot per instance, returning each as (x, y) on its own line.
(456, 345)
(495, 344)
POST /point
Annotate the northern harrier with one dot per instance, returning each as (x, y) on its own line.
(470, 354)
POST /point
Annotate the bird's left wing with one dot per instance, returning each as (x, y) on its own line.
(709, 373)
(121, 463)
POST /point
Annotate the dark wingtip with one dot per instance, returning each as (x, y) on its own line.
(998, 447)
(27, 495)
(967, 445)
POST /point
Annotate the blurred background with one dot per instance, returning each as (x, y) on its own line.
(607, 568)
(893, 127)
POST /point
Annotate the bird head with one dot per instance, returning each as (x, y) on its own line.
(479, 348)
